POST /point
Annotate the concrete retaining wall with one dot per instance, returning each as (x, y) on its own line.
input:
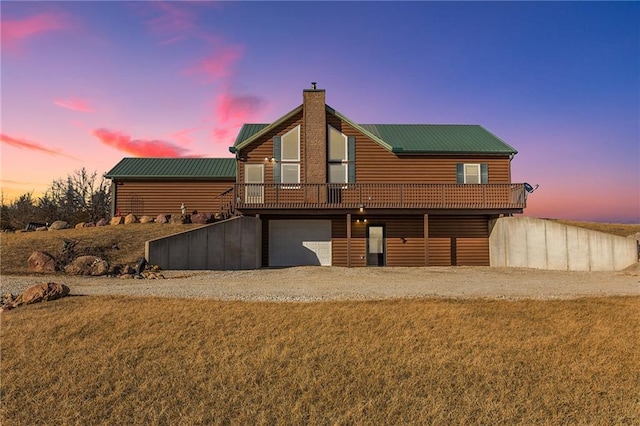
(543, 244)
(230, 244)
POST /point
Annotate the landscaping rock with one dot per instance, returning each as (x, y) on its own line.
(87, 265)
(163, 218)
(57, 225)
(130, 218)
(201, 218)
(89, 224)
(80, 225)
(40, 228)
(117, 220)
(40, 261)
(41, 293)
(146, 219)
(102, 222)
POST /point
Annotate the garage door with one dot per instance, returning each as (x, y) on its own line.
(299, 242)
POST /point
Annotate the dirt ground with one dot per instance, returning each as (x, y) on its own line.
(334, 283)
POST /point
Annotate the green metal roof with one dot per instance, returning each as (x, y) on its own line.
(407, 138)
(171, 168)
(439, 138)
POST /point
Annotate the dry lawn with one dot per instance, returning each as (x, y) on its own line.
(116, 360)
(15, 248)
(620, 229)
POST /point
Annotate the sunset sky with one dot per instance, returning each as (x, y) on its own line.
(84, 84)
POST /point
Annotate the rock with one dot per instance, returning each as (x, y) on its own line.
(130, 218)
(117, 220)
(40, 261)
(89, 225)
(126, 277)
(146, 219)
(102, 222)
(129, 270)
(57, 225)
(80, 225)
(87, 265)
(8, 299)
(40, 228)
(201, 218)
(180, 219)
(41, 293)
(163, 218)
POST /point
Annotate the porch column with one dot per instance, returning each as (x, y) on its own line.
(348, 240)
(426, 239)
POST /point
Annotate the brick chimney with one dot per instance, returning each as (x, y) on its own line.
(315, 135)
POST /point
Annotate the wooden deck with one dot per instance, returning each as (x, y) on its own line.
(376, 196)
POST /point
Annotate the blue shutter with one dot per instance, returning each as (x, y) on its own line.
(460, 173)
(351, 152)
(484, 173)
(276, 158)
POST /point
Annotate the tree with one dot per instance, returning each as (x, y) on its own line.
(80, 197)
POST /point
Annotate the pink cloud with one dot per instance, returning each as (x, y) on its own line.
(183, 136)
(232, 112)
(173, 22)
(14, 31)
(32, 146)
(74, 104)
(217, 66)
(139, 147)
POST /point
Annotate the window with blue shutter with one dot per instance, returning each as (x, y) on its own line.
(351, 143)
(276, 158)
(472, 173)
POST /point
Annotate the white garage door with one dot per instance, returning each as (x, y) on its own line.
(299, 242)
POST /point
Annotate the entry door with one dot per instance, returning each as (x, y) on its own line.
(254, 173)
(375, 245)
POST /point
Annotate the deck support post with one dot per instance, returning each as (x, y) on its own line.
(426, 239)
(348, 240)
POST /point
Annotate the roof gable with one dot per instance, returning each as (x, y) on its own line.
(171, 168)
(404, 138)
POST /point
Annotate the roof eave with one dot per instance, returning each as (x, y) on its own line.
(254, 137)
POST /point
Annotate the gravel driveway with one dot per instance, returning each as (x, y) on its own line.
(311, 283)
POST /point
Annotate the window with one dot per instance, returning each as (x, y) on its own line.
(472, 173)
(290, 156)
(341, 153)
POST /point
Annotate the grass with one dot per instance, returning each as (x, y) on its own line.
(15, 248)
(620, 229)
(115, 360)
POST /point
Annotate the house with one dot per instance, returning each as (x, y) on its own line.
(154, 186)
(329, 191)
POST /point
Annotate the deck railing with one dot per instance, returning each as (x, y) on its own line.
(379, 195)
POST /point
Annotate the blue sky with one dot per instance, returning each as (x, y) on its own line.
(87, 83)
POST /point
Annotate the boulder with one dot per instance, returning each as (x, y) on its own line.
(87, 265)
(180, 218)
(40, 261)
(57, 225)
(41, 293)
(117, 220)
(201, 218)
(163, 218)
(146, 219)
(102, 222)
(80, 225)
(89, 225)
(130, 218)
